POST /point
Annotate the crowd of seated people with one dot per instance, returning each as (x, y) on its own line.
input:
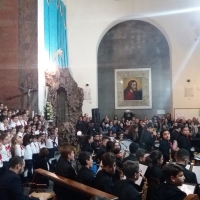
(109, 179)
(169, 133)
(29, 139)
(174, 139)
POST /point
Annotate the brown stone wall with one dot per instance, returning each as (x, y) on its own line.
(28, 52)
(62, 78)
(9, 51)
(18, 53)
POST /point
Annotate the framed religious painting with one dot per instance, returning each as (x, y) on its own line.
(133, 88)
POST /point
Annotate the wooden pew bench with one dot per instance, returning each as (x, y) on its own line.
(76, 186)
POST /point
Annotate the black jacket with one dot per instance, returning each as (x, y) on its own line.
(174, 135)
(190, 177)
(147, 141)
(104, 181)
(95, 145)
(164, 148)
(119, 163)
(87, 147)
(85, 176)
(11, 187)
(65, 169)
(41, 162)
(101, 151)
(184, 143)
(167, 191)
(82, 126)
(125, 190)
(155, 172)
(130, 157)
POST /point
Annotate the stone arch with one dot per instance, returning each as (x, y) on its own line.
(134, 44)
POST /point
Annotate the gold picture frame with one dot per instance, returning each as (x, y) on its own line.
(133, 88)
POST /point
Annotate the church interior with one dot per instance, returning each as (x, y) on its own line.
(92, 86)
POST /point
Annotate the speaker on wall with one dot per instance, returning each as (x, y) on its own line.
(95, 115)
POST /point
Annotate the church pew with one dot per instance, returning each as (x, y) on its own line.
(76, 186)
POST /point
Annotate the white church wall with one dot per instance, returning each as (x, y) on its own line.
(89, 20)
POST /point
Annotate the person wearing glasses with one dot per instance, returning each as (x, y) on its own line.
(126, 189)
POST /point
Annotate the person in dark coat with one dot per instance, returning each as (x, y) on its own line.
(141, 156)
(141, 128)
(87, 146)
(64, 168)
(96, 143)
(176, 132)
(133, 147)
(85, 174)
(148, 138)
(82, 125)
(42, 162)
(183, 140)
(169, 191)
(10, 183)
(103, 148)
(104, 180)
(119, 157)
(126, 189)
(165, 145)
(182, 159)
(154, 162)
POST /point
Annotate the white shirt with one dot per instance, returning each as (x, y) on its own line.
(41, 145)
(19, 150)
(28, 154)
(5, 153)
(37, 132)
(19, 123)
(49, 143)
(35, 147)
(2, 127)
(22, 123)
(12, 124)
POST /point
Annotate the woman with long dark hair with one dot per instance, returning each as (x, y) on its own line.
(154, 162)
(133, 133)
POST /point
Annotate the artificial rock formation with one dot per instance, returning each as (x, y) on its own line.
(61, 78)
